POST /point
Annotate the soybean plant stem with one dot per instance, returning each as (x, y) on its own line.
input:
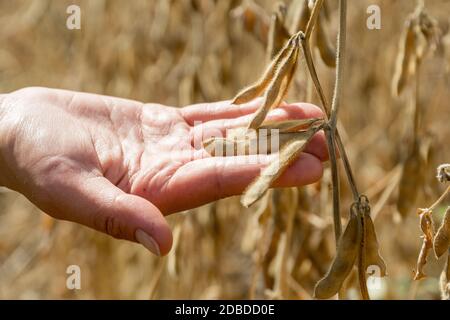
(340, 59)
(313, 18)
(335, 180)
(362, 258)
(340, 56)
(340, 62)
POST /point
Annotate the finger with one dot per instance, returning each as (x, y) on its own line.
(97, 203)
(218, 128)
(218, 110)
(210, 179)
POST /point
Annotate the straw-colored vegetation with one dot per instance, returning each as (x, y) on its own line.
(392, 133)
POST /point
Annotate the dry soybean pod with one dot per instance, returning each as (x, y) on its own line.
(256, 89)
(289, 153)
(410, 180)
(441, 241)
(426, 225)
(289, 125)
(277, 89)
(326, 50)
(288, 80)
(363, 209)
(277, 31)
(344, 261)
(405, 58)
(301, 17)
(224, 147)
(373, 257)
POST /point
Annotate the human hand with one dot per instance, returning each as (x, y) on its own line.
(119, 166)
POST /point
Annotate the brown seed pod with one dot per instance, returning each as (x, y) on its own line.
(343, 263)
(373, 257)
(326, 50)
(421, 36)
(443, 173)
(224, 147)
(301, 16)
(441, 241)
(278, 35)
(411, 178)
(405, 58)
(446, 45)
(290, 125)
(289, 153)
(426, 225)
(427, 32)
(277, 88)
(256, 89)
(444, 280)
(254, 19)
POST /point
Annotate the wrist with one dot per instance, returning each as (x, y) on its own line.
(4, 138)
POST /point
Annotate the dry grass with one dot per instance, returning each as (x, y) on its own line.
(172, 53)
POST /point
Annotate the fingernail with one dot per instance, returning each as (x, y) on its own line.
(148, 242)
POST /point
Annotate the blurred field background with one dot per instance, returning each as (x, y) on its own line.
(178, 52)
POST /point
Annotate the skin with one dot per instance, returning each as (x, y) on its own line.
(118, 165)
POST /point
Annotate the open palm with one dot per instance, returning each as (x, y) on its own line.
(119, 166)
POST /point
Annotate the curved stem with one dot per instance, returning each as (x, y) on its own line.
(336, 188)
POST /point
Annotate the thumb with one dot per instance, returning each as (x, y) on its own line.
(99, 204)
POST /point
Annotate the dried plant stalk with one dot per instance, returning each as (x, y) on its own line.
(277, 89)
(363, 211)
(426, 225)
(273, 96)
